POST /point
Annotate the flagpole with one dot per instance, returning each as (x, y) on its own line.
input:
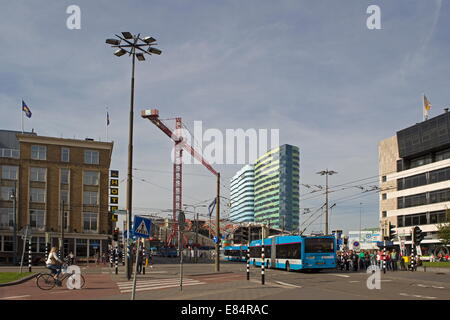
(106, 124)
(21, 111)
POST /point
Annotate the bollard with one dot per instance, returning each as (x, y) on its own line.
(248, 264)
(117, 259)
(46, 251)
(123, 256)
(262, 265)
(111, 257)
(29, 255)
(143, 259)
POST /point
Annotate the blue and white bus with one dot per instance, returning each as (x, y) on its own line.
(235, 253)
(295, 252)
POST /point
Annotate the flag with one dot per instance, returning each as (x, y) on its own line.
(107, 118)
(426, 103)
(211, 207)
(26, 109)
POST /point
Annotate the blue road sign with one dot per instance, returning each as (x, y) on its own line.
(141, 227)
(215, 240)
(131, 234)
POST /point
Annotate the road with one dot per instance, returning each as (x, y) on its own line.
(201, 282)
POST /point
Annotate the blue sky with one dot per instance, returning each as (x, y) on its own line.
(310, 68)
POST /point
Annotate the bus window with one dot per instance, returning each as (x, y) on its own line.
(319, 245)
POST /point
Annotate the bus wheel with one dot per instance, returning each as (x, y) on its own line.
(288, 267)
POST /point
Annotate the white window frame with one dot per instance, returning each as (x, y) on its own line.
(43, 224)
(90, 221)
(10, 213)
(91, 178)
(38, 171)
(6, 172)
(6, 190)
(40, 196)
(40, 153)
(67, 200)
(65, 152)
(2, 244)
(90, 197)
(61, 175)
(89, 157)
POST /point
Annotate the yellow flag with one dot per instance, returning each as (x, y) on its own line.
(426, 103)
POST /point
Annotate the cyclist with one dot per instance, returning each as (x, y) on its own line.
(54, 264)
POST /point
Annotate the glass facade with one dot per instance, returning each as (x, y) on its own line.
(242, 195)
(277, 179)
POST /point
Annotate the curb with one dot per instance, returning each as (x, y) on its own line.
(19, 281)
(433, 269)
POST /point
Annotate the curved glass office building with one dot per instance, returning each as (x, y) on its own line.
(242, 195)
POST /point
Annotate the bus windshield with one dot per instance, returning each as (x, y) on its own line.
(319, 245)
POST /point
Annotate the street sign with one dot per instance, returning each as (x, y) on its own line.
(190, 241)
(356, 244)
(216, 240)
(141, 227)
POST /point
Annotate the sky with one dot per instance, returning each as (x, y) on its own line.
(311, 69)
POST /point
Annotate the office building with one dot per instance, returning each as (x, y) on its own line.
(52, 186)
(277, 179)
(242, 195)
(414, 168)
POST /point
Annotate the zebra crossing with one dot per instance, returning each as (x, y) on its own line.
(154, 284)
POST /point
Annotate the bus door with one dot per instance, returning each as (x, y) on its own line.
(273, 253)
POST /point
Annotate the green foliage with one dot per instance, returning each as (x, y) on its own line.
(13, 276)
(444, 230)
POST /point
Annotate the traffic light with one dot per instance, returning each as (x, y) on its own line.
(418, 235)
(116, 234)
(392, 232)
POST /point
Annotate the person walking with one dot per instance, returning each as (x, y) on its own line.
(361, 260)
(394, 259)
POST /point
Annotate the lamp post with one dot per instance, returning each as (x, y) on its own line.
(326, 173)
(13, 198)
(131, 44)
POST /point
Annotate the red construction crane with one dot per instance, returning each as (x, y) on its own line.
(180, 144)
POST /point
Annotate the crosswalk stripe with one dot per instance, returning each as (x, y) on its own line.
(141, 285)
(150, 281)
(161, 287)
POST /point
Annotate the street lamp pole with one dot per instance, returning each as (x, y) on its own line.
(326, 173)
(13, 197)
(132, 43)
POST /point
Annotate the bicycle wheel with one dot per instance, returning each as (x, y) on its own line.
(45, 281)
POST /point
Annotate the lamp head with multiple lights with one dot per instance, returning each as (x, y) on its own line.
(133, 44)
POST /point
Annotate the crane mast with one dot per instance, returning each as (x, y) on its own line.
(180, 145)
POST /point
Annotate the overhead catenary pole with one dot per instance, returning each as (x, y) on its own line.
(218, 224)
(14, 198)
(326, 173)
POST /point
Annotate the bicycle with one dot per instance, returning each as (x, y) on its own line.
(46, 281)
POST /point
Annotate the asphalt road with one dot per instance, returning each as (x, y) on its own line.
(201, 282)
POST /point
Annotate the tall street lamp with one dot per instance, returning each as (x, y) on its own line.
(135, 46)
(326, 173)
(13, 197)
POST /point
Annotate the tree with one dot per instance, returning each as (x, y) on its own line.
(443, 231)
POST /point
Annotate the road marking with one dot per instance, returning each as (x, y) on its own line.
(16, 297)
(438, 287)
(288, 284)
(386, 280)
(126, 287)
(340, 275)
(354, 281)
(416, 296)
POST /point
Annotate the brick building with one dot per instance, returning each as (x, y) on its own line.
(53, 178)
